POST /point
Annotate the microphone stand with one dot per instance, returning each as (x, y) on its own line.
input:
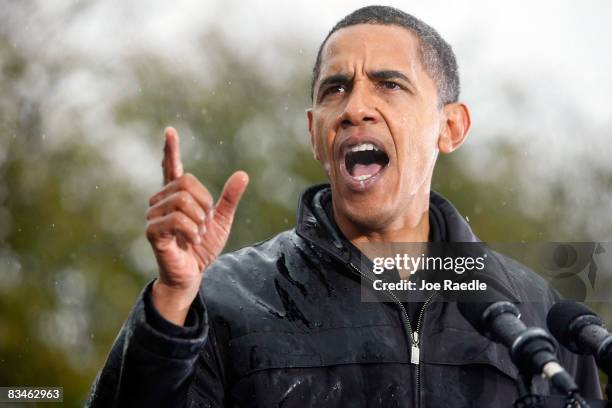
(576, 400)
(527, 399)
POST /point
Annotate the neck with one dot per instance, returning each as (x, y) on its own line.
(411, 226)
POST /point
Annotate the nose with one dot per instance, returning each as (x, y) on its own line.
(359, 108)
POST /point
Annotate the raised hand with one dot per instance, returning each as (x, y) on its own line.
(187, 230)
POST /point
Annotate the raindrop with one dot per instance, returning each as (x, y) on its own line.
(286, 221)
(44, 136)
(467, 218)
(220, 142)
(286, 108)
(300, 51)
(229, 83)
(97, 187)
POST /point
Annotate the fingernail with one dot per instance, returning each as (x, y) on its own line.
(202, 229)
(201, 215)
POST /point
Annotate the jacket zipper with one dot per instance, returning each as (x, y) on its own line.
(395, 299)
(415, 350)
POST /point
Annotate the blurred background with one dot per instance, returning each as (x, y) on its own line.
(87, 87)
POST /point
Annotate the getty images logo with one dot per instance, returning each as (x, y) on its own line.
(576, 269)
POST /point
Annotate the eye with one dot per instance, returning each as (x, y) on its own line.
(333, 89)
(390, 85)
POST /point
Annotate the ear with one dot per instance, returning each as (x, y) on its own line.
(455, 130)
(312, 138)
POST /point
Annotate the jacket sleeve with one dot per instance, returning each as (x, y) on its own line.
(154, 363)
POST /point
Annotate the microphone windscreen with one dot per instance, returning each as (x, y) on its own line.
(473, 311)
(473, 305)
(560, 317)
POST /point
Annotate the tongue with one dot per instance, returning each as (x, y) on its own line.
(365, 169)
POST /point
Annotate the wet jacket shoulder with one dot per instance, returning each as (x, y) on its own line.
(281, 323)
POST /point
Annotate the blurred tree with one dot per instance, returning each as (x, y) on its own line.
(73, 256)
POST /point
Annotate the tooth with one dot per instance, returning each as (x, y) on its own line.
(363, 147)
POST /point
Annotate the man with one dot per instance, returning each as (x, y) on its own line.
(281, 323)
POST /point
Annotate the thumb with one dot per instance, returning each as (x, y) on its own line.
(230, 197)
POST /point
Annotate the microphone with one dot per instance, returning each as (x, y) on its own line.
(532, 349)
(580, 330)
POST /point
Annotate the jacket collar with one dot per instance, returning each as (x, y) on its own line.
(315, 226)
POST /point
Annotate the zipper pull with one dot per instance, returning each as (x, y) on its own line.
(414, 349)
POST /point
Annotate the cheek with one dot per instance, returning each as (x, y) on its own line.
(417, 146)
(324, 139)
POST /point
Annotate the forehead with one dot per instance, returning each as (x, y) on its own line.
(377, 46)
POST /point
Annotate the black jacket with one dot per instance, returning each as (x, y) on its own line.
(281, 323)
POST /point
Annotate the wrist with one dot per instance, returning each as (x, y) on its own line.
(172, 303)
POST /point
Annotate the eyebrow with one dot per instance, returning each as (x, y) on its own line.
(389, 74)
(378, 75)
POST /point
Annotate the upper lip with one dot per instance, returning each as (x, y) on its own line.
(357, 140)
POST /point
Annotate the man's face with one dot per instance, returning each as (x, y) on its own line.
(375, 122)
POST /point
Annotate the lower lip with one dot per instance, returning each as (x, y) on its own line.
(357, 185)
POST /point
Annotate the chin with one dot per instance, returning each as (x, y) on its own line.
(370, 215)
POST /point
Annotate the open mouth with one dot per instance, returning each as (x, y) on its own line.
(365, 160)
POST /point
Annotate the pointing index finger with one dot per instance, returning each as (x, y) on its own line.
(172, 164)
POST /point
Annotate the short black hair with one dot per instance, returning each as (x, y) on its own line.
(437, 56)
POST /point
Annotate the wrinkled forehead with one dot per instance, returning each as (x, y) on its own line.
(370, 47)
